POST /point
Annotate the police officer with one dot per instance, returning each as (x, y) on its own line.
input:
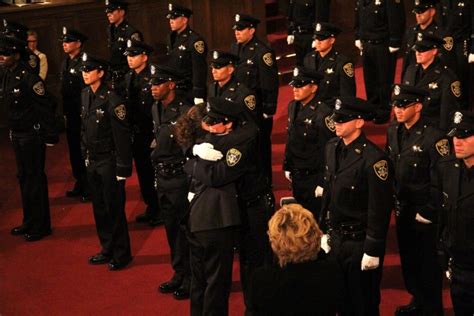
(30, 118)
(139, 102)
(214, 215)
(257, 69)
(71, 88)
(429, 73)
(338, 70)
(456, 177)
(357, 202)
(379, 28)
(171, 182)
(415, 148)
(187, 51)
(302, 15)
(118, 33)
(106, 146)
(310, 127)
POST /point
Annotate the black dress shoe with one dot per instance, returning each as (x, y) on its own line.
(407, 310)
(118, 265)
(19, 230)
(182, 293)
(170, 286)
(37, 236)
(99, 258)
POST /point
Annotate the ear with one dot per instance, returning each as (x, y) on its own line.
(171, 85)
(418, 107)
(100, 73)
(252, 30)
(229, 125)
(314, 88)
(231, 69)
(332, 40)
(360, 123)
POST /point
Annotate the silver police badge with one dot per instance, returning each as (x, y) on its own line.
(338, 104)
(396, 90)
(237, 17)
(129, 43)
(152, 69)
(5, 23)
(296, 72)
(419, 37)
(64, 30)
(215, 55)
(84, 57)
(318, 27)
(457, 118)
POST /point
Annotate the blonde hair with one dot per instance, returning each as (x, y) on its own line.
(294, 235)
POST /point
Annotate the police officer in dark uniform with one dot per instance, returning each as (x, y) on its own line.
(338, 70)
(118, 33)
(429, 73)
(214, 214)
(456, 177)
(415, 148)
(357, 202)
(302, 15)
(257, 69)
(71, 88)
(106, 146)
(379, 27)
(187, 51)
(139, 102)
(30, 118)
(171, 182)
(310, 127)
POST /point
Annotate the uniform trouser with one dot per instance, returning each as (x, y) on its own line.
(108, 203)
(145, 172)
(173, 205)
(211, 259)
(302, 46)
(462, 291)
(303, 187)
(30, 154)
(422, 273)
(73, 134)
(362, 288)
(266, 147)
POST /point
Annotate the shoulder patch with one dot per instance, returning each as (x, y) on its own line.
(381, 169)
(330, 123)
(233, 157)
(199, 47)
(456, 88)
(250, 102)
(136, 36)
(448, 43)
(32, 61)
(442, 147)
(268, 59)
(121, 112)
(348, 69)
(38, 88)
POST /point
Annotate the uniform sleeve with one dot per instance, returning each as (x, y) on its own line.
(44, 106)
(287, 159)
(321, 9)
(291, 23)
(84, 100)
(450, 100)
(396, 22)
(347, 85)
(268, 79)
(199, 55)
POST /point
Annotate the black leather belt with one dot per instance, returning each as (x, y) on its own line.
(375, 42)
(349, 231)
(303, 172)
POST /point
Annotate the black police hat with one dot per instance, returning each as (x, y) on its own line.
(112, 5)
(351, 108)
(425, 42)
(462, 124)
(404, 95)
(220, 110)
(303, 76)
(90, 63)
(11, 45)
(70, 35)
(164, 73)
(423, 5)
(243, 21)
(176, 10)
(324, 30)
(135, 48)
(221, 59)
(15, 29)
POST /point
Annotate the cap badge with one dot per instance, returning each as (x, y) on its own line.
(457, 118)
(396, 90)
(170, 7)
(338, 104)
(296, 72)
(129, 43)
(318, 27)
(84, 57)
(5, 23)
(208, 107)
(64, 30)
(417, 2)
(152, 69)
(237, 17)
(419, 37)
(215, 55)
(106, 2)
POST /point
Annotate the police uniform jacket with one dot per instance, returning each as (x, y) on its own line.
(302, 14)
(105, 132)
(380, 21)
(415, 161)
(258, 71)
(187, 52)
(72, 84)
(457, 17)
(310, 127)
(215, 204)
(28, 105)
(338, 70)
(359, 191)
(117, 42)
(444, 89)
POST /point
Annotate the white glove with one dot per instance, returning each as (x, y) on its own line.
(191, 196)
(448, 274)
(290, 39)
(369, 263)
(358, 44)
(86, 162)
(421, 219)
(470, 59)
(393, 49)
(324, 243)
(121, 178)
(266, 116)
(288, 175)
(198, 100)
(49, 145)
(318, 192)
(205, 151)
(313, 44)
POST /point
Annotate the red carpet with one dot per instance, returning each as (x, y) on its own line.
(52, 277)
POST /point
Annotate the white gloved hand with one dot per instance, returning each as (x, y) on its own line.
(313, 44)
(121, 178)
(448, 274)
(267, 116)
(369, 263)
(198, 100)
(421, 219)
(288, 175)
(358, 44)
(318, 192)
(325, 244)
(470, 59)
(206, 151)
(49, 145)
(393, 49)
(191, 196)
(290, 39)
(86, 162)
